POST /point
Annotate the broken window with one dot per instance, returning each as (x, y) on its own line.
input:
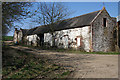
(104, 22)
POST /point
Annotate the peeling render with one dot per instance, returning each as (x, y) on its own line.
(20, 36)
(98, 36)
(15, 38)
(32, 40)
(69, 38)
(95, 37)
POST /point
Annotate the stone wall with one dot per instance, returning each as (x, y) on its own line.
(102, 37)
(71, 38)
(88, 38)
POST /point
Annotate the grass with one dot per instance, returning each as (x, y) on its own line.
(7, 38)
(65, 73)
(104, 53)
(81, 52)
(18, 64)
(72, 50)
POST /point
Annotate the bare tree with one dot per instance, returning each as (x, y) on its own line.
(52, 13)
(14, 11)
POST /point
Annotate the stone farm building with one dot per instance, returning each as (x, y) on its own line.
(92, 32)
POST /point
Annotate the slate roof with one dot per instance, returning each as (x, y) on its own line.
(24, 31)
(30, 31)
(79, 21)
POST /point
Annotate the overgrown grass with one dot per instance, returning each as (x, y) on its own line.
(7, 38)
(18, 64)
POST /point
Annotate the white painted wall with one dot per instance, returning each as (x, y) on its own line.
(66, 38)
(15, 37)
(32, 39)
(20, 35)
(48, 38)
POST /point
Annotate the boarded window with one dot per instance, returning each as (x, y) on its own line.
(104, 22)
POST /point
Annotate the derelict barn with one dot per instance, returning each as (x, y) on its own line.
(89, 32)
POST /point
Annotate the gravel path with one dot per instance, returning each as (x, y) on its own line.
(81, 65)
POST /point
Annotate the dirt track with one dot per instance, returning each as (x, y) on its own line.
(81, 65)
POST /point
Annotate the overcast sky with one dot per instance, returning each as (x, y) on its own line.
(78, 8)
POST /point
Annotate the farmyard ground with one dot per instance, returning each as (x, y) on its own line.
(81, 65)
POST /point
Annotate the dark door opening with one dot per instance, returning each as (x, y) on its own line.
(41, 41)
(104, 22)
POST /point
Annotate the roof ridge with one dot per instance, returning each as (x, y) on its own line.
(68, 18)
(73, 17)
(81, 15)
(37, 28)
